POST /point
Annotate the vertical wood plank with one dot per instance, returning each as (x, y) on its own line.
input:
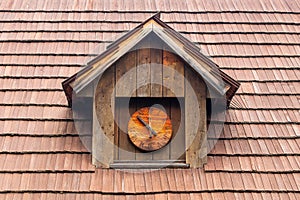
(104, 143)
(156, 45)
(196, 139)
(143, 67)
(126, 64)
(163, 154)
(177, 146)
(140, 155)
(143, 72)
(126, 149)
(97, 138)
(116, 131)
(173, 75)
(156, 72)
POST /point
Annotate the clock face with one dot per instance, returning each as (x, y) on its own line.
(150, 128)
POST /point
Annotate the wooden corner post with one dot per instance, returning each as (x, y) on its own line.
(103, 141)
(195, 123)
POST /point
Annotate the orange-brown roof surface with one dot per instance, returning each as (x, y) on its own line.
(44, 42)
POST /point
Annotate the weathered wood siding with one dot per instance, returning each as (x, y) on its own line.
(103, 144)
(195, 119)
(155, 67)
(153, 73)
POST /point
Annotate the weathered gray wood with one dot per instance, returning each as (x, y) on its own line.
(151, 161)
(87, 92)
(143, 72)
(116, 132)
(188, 136)
(156, 72)
(126, 74)
(164, 153)
(195, 137)
(96, 139)
(173, 75)
(177, 146)
(103, 144)
(149, 165)
(140, 155)
(126, 149)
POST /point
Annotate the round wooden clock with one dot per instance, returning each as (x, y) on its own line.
(150, 128)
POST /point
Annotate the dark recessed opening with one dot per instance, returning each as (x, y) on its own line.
(174, 150)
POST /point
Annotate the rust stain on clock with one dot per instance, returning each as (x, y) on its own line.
(150, 128)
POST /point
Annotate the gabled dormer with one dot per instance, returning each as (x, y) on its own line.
(149, 98)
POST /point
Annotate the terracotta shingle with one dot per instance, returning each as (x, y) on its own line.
(96, 181)
(129, 183)
(42, 44)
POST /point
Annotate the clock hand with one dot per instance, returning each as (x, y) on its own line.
(152, 132)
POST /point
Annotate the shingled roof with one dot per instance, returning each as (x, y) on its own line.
(45, 42)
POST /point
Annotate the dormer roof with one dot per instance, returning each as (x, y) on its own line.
(219, 81)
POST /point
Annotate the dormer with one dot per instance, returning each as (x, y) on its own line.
(146, 102)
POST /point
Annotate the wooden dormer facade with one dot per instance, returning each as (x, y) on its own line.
(151, 65)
